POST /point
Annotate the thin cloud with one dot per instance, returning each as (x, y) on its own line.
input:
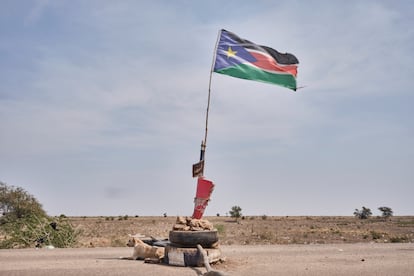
(111, 96)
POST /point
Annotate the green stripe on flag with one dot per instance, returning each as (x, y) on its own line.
(247, 72)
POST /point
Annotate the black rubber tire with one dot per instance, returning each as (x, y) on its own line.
(206, 238)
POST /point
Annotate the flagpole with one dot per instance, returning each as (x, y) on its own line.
(204, 142)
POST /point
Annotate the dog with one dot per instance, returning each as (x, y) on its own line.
(143, 251)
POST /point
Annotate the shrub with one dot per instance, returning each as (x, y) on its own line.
(235, 212)
(220, 228)
(386, 212)
(375, 235)
(398, 239)
(117, 243)
(16, 203)
(39, 231)
(24, 222)
(363, 214)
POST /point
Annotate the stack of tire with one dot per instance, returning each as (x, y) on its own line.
(182, 250)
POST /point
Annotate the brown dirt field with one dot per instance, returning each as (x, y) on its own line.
(254, 230)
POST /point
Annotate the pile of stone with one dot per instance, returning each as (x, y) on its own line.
(190, 224)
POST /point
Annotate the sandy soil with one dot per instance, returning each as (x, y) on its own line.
(261, 230)
(311, 259)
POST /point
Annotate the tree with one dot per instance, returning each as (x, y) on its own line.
(16, 203)
(235, 212)
(363, 214)
(24, 223)
(386, 211)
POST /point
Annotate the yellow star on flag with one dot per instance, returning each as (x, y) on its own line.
(231, 53)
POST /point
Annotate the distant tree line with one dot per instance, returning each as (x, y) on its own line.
(365, 212)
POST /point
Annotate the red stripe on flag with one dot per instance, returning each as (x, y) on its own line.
(268, 63)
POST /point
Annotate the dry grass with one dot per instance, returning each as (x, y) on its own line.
(256, 230)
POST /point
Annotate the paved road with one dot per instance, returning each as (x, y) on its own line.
(337, 259)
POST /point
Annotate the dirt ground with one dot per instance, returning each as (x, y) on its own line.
(251, 246)
(259, 230)
(311, 259)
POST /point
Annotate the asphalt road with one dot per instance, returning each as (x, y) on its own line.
(334, 259)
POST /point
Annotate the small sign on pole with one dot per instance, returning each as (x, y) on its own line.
(198, 169)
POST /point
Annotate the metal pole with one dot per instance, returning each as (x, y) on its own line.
(204, 143)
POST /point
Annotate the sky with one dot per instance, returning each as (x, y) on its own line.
(103, 105)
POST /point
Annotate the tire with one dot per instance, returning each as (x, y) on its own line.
(206, 239)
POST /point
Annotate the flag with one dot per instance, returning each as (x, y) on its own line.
(243, 59)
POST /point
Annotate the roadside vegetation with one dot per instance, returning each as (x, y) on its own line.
(24, 223)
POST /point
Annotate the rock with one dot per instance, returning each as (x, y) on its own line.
(181, 220)
(181, 227)
(189, 224)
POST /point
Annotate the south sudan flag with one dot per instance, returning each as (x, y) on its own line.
(243, 59)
